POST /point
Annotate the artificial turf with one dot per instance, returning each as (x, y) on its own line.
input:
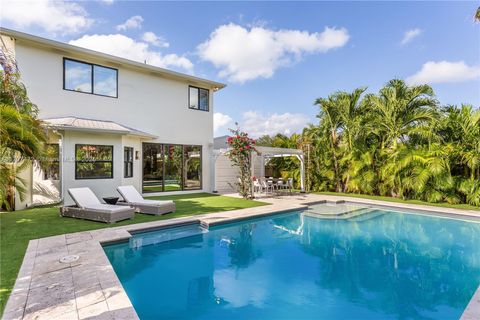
(18, 227)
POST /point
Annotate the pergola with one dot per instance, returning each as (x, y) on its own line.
(227, 172)
(267, 153)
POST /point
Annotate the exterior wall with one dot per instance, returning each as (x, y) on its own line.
(225, 174)
(101, 187)
(146, 101)
(27, 178)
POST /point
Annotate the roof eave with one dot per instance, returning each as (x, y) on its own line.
(79, 50)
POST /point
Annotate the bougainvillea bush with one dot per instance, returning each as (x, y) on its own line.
(240, 152)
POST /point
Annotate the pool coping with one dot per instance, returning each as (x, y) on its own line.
(48, 289)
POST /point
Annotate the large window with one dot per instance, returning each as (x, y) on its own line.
(93, 161)
(128, 162)
(198, 98)
(89, 78)
(170, 167)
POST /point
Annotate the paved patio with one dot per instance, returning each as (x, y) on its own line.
(89, 288)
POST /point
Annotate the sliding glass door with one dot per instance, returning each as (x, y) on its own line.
(192, 166)
(171, 167)
(152, 167)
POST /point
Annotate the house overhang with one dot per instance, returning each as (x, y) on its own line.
(94, 126)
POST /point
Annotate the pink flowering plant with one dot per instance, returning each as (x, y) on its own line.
(240, 152)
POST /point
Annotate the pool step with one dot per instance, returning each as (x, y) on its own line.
(347, 213)
(168, 234)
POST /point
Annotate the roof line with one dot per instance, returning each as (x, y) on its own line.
(64, 46)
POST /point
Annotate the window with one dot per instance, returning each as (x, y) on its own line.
(50, 163)
(198, 98)
(170, 167)
(89, 78)
(128, 162)
(93, 162)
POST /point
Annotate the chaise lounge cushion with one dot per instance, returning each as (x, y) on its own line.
(83, 197)
(133, 197)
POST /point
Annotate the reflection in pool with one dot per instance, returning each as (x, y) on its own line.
(295, 266)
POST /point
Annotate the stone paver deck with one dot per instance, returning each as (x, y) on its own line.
(89, 288)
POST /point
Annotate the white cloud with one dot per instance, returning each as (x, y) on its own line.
(443, 72)
(257, 124)
(63, 17)
(125, 47)
(152, 38)
(220, 120)
(134, 22)
(244, 54)
(107, 2)
(410, 35)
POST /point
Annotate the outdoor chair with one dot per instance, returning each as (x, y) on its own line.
(266, 186)
(88, 207)
(257, 187)
(290, 185)
(133, 198)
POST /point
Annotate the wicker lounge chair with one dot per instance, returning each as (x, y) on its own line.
(133, 198)
(90, 208)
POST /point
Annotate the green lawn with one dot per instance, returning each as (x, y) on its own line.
(380, 198)
(17, 228)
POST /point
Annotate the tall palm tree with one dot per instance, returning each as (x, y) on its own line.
(400, 113)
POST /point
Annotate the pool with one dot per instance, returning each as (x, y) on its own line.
(380, 265)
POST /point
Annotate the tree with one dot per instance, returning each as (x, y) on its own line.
(240, 153)
(21, 135)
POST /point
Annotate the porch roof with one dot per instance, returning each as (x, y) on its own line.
(73, 123)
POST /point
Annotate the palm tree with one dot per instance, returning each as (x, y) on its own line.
(21, 136)
(401, 113)
(477, 15)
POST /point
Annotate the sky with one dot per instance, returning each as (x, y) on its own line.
(276, 57)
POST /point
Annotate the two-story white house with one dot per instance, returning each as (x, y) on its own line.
(112, 121)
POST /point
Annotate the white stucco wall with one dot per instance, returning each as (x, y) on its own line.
(146, 101)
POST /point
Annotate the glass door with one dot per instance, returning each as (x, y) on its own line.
(152, 167)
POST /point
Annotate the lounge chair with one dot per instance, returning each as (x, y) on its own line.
(88, 207)
(133, 198)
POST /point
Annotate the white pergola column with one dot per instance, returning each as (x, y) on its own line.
(302, 173)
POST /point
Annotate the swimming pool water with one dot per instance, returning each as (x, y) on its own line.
(386, 265)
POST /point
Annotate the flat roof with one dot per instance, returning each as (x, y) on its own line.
(65, 48)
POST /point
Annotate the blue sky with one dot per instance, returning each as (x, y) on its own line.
(277, 57)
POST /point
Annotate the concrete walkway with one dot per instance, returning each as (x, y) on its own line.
(89, 288)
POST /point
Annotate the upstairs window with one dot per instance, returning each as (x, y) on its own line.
(90, 78)
(198, 98)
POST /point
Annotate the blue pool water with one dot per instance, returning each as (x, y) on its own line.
(384, 265)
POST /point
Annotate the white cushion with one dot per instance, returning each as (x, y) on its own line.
(149, 202)
(130, 194)
(109, 208)
(83, 197)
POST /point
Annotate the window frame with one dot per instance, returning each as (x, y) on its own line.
(163, 144)
(82, 161)
(127, 162)
(92, 80)
(198, 99)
